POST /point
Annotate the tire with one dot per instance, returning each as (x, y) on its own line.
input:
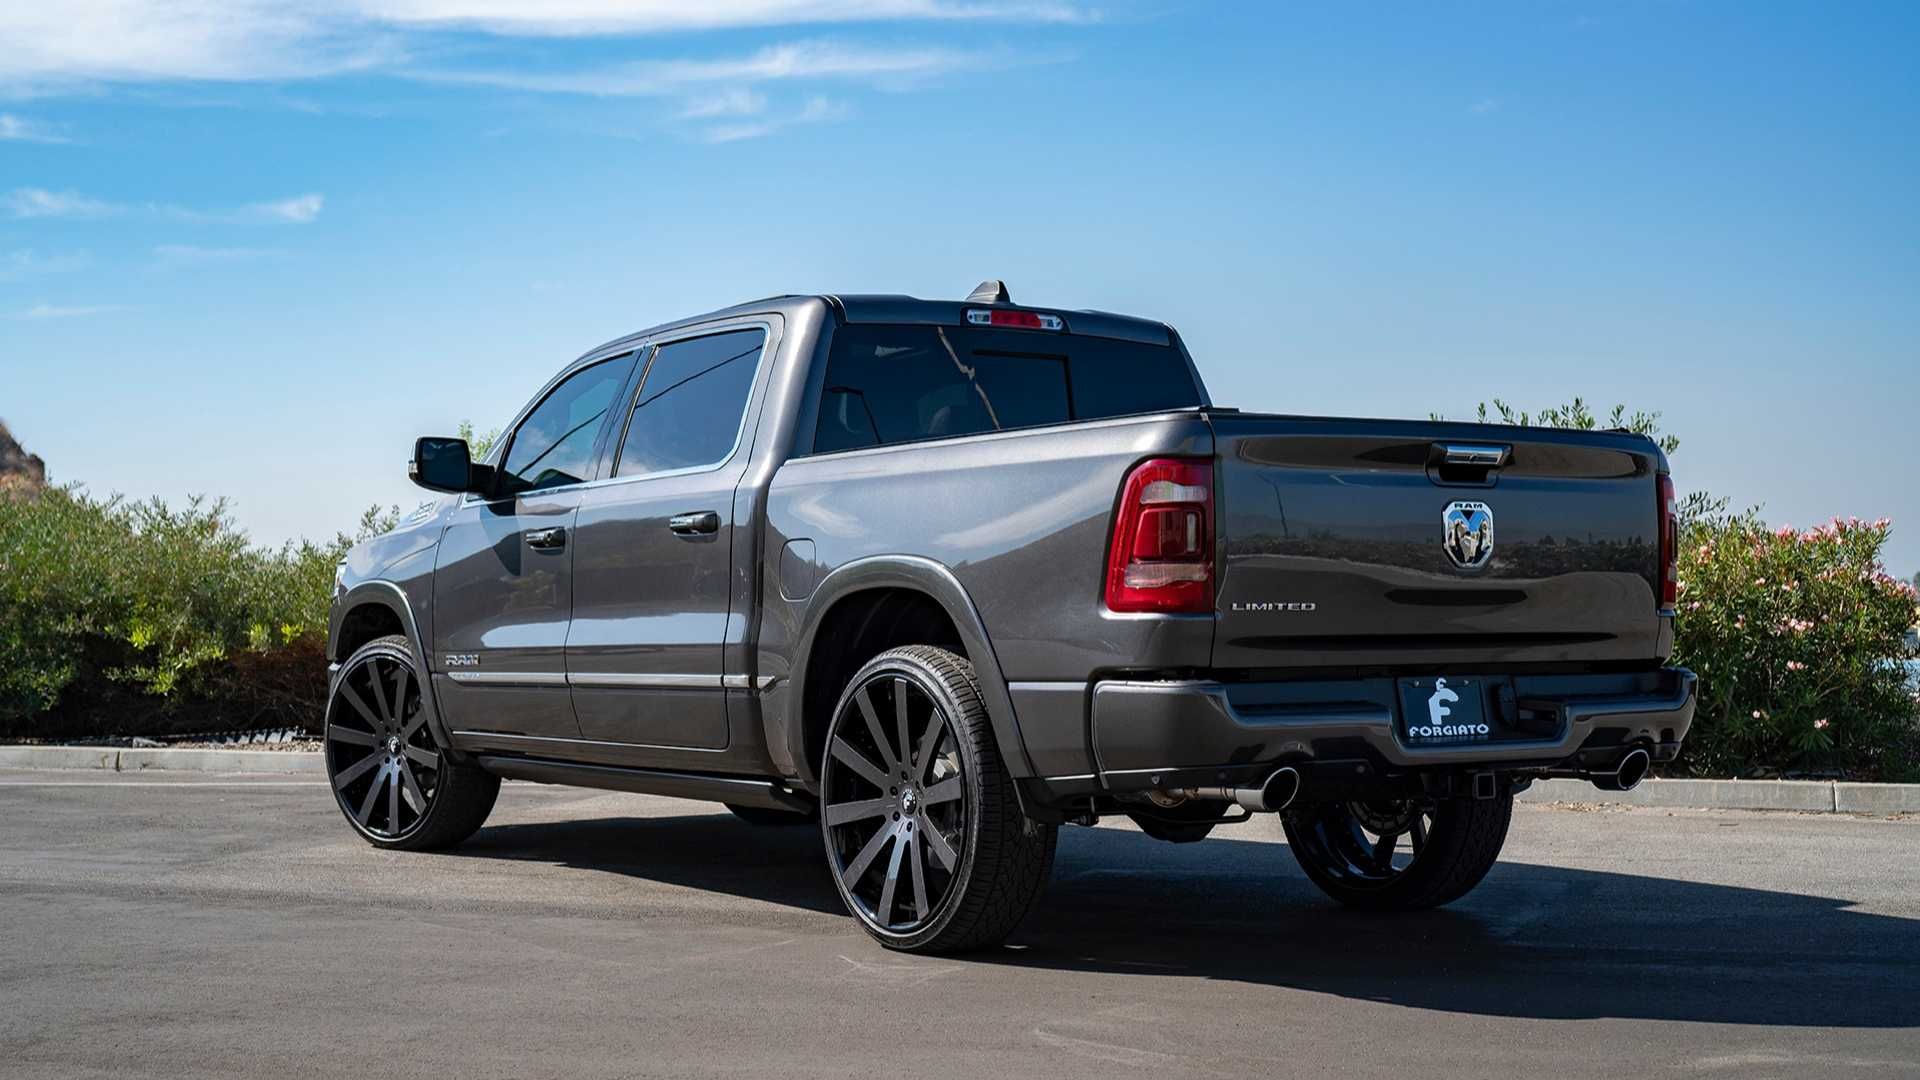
(927, 846)
(766, 818)
(1452, 842)
(395, 785)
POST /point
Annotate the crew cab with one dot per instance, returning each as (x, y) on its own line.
(939, 577)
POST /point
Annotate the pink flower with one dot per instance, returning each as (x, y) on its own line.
(1784, 532)
(1881, 523)
(1795, 665)
(1756, 714)
(1820, 724)
(1759, 581)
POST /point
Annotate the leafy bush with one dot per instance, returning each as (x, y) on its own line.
(150, 609)
(1577, 415)
(1799, 639)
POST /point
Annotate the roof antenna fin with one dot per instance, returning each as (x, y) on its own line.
(990, 291)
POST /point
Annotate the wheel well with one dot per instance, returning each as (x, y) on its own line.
(363, 624)
(856, 629)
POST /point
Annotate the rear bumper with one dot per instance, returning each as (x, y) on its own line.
(1153, 734)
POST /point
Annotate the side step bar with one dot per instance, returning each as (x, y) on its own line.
(740, 791)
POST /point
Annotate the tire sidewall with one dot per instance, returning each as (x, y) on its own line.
(906, 665)
(399, 649)
(1408, 889)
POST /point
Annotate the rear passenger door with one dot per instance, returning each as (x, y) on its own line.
(504, 583)
(653, 558)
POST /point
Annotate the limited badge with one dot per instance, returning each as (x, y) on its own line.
(1466, 532)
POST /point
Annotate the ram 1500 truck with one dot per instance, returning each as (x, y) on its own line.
(938, 577)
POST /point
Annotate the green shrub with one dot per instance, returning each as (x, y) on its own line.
(138, 609)
(1799, 639)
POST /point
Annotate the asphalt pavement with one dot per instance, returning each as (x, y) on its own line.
(202, 926)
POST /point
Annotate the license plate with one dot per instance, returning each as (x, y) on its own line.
(1444, 711)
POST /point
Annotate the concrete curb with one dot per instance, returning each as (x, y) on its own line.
(281, 762)
(1820, 796)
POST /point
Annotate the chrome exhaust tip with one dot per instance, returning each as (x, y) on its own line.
(1277, 792)
(1633, 769)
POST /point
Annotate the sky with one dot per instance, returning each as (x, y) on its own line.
(252, 249)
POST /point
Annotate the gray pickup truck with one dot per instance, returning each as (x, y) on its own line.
(938, 577)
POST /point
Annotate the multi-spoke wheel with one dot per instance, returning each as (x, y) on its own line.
(924, 835)
(1398, 854)
(393, 783)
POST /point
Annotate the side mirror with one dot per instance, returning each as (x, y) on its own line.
(441, 464)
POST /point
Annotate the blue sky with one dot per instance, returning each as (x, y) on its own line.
(252, 250)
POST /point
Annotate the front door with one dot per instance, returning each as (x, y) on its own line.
(653, 591)
(504, 579)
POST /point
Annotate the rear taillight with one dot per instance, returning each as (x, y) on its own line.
(1161, 555)
(1669, 545)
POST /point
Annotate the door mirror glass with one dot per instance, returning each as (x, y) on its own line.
(441, 464)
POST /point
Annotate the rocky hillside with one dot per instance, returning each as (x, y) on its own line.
(17, 467)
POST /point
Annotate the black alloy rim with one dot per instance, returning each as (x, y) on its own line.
(1366, 844)
(896, 804)
(381, 757)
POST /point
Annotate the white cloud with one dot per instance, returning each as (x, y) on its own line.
(737, 101)
(49, 47)
(822, 110)
(298, 210)
(194, 255)
(19, 129)
(41, 203)
(556, 17)
(726, 133)
(57, 311)
(816, 110)
(812, 60)
(25, 263)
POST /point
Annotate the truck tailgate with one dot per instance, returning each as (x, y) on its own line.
(1357, 544)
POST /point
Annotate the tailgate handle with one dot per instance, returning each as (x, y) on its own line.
(1475, 455)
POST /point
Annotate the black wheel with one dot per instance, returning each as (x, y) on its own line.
(924, 834)
(391, 781)
(1399, 855)
(760, 815)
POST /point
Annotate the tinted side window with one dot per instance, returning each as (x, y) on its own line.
(886, 386)
(891, 384)
(691, 403)
(553, 446)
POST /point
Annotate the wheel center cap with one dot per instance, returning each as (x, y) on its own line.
(393, 744)
(909, 800)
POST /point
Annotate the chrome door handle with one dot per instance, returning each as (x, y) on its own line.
(547, 539)
(704, 523)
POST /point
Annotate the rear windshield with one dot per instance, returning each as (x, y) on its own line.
(894, 384)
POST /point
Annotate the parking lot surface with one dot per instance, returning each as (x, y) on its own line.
(230, 926)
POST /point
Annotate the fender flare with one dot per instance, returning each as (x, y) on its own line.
(922, 575)
(388, 595)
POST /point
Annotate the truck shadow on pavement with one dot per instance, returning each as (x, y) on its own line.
(1538, 942)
